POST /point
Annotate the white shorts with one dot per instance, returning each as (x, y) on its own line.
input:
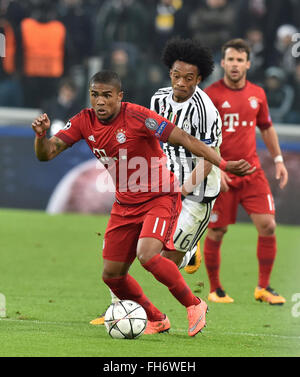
(192, 223)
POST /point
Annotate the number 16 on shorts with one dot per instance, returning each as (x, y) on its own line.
(182, 241)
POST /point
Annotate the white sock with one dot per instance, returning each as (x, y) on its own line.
(187, 257)
(114, 298)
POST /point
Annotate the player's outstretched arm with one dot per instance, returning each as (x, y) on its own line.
(46, 149)
(270, 139)
(200, 172)
(200, 149)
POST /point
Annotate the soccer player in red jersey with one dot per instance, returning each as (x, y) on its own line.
(125, 138)
(243, 107)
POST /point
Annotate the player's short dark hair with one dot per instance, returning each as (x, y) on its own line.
(191, 52)
(107, 77)
(238, 44)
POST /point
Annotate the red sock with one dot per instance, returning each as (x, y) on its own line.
(127, 288)
(266, 252)
(167, 273)
(212, 257)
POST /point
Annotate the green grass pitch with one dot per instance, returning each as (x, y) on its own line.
(50, 274)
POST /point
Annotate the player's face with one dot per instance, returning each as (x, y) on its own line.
(235, 64)
(184, 79)
(106, 101)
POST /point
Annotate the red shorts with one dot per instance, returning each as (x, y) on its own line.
(156, 218)
(252, 192)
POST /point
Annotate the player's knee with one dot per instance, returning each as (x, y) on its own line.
(147, 248)
(108, 274)
(217, 234)
(267, 228)
(144, 255)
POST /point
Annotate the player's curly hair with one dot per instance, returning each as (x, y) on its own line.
(191, 52)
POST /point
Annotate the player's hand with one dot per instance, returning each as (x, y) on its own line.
(225, 180)
(281, 174)
(184, 193)
(41, 124)
(240, 167)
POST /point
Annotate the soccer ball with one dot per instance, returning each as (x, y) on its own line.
(125, 319)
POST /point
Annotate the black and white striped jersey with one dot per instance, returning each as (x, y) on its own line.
(199, 117)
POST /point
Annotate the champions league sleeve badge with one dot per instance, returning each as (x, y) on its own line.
(151, 124)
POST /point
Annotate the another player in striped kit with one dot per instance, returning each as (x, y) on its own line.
(187, 106)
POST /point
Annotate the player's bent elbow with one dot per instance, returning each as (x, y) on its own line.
(44, 157)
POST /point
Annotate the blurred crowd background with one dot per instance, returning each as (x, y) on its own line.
(53, 47)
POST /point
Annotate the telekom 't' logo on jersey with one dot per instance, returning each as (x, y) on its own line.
(233, 120)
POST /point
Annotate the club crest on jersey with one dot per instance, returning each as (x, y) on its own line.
(214, 217)
(186, 126)
(151, 124)
(253, 102)
(120, 136)
(67, 126)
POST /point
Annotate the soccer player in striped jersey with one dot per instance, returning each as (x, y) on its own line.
(243, 106)
(187, 106)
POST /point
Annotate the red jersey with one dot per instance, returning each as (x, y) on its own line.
(241, 111)
(129, 148)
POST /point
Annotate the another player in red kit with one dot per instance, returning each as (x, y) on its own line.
(125, 138)
(243, 107)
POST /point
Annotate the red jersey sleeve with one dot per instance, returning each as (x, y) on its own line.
(264, 120)
(71, 133)
(211, 94)
(152, 124)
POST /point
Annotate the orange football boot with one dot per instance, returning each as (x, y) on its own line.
(154, 327)
(100, 320)
(268, 295)
(197, 317)
(219, 295)
(195, 261)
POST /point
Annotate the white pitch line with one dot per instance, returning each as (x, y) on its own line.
(243, 334)
(172, 329)
(36, 321)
